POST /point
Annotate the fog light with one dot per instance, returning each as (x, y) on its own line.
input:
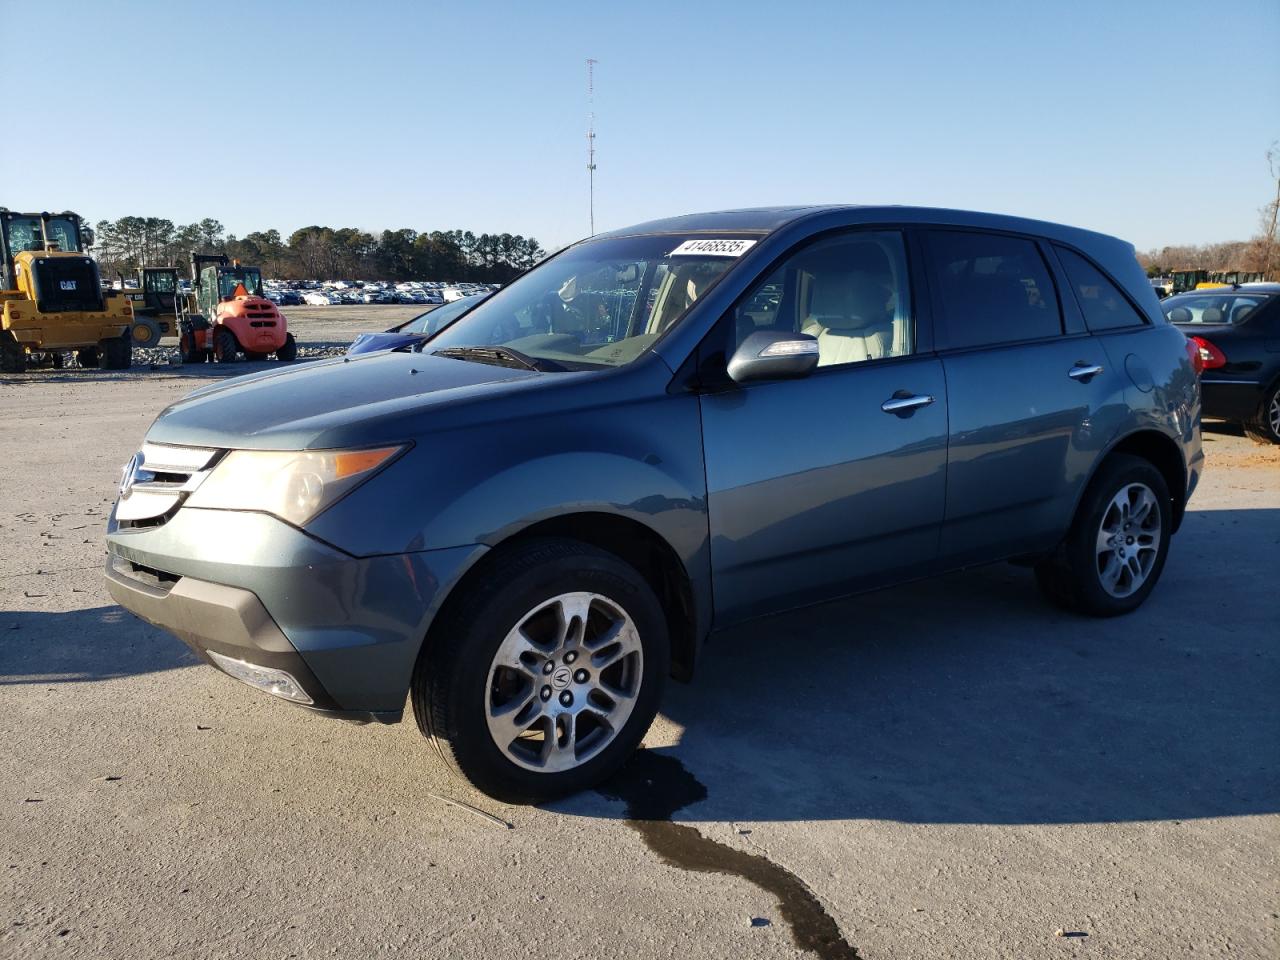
(268, 679)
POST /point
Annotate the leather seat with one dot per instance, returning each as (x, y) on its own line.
(849, 316)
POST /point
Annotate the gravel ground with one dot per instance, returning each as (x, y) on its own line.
(946, 769)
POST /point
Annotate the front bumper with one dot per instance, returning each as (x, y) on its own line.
(214, 619)
(253, 588)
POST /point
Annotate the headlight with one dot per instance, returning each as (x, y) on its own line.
(294, 485)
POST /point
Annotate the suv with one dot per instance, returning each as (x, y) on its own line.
(531, 519)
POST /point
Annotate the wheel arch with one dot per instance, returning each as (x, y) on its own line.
(629, 540)
(1163, 453)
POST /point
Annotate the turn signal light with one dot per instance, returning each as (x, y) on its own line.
(1211, 358)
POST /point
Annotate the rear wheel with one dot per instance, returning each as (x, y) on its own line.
(13, 358)
(117, 352)
(1116, 548)
(225, 345)
(1265, 425)
(289, 351)
(146, 331)
(543, 677)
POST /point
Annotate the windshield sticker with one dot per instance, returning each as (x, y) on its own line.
(712, 248)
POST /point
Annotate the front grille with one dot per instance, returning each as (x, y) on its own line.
(262, 323)
(157, 481)
(67, 284)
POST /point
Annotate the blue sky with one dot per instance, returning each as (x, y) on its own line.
(1147, 120)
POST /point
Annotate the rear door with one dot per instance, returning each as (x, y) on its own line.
(1027, 395)
(814, 488)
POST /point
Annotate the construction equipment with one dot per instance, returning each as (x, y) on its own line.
(226, 315)
(1184, 280)
(155, 305)
(52, 296)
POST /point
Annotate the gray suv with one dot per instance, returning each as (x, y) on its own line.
(530, 520)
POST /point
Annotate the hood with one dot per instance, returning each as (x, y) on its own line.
(369, 342)
(344, 402)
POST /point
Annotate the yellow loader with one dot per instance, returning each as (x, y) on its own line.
(51, 296)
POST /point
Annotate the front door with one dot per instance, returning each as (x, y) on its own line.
(823, 486)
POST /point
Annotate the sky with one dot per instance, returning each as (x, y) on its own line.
(1147, 120)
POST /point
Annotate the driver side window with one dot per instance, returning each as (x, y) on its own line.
(850, 292)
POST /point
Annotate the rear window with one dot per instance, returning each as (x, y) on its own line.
(1103, 305)
(994, 289)
(1211, 308)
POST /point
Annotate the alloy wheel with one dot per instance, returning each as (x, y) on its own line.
(563, 682)
(1128, 541)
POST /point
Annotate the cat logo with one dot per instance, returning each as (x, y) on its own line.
(67, 284)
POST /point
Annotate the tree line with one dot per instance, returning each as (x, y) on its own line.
(318, 253)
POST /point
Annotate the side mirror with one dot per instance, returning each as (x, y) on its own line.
(86, 236)
(774, 355)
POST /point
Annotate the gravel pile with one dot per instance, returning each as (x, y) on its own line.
(142, 356)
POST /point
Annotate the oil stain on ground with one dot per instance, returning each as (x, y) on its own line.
(654, 786)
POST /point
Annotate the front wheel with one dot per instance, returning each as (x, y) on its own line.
(1265, 425)
(542, 678)
(289, 350)
(1115, 551)
(146, 332)
(226, 347)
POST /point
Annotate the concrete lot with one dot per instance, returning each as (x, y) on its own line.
(947, 769)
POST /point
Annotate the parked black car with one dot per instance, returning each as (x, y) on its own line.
(1237, 330)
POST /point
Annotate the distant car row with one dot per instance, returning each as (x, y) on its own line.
(340, 292)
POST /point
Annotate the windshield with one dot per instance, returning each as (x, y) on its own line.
(24, 234)
(434, 320)
(231, 277)
(1211, 307)
(599, 304)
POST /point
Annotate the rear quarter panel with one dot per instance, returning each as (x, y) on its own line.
(1162, 390)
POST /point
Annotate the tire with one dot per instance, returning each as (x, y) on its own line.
(146, 332)
(188, 352)
(1265, 425)
(461, 683)
(117, 352)
(1089, 573)
(13, 358)
(289, 351)
(226, 347)
(88, 357)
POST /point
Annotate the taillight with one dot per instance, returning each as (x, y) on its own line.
(1210, 356)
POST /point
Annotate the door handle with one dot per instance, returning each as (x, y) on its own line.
(905, 404)
(1083, 371)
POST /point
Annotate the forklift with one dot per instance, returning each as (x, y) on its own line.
(226, 315)
(51, 296)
